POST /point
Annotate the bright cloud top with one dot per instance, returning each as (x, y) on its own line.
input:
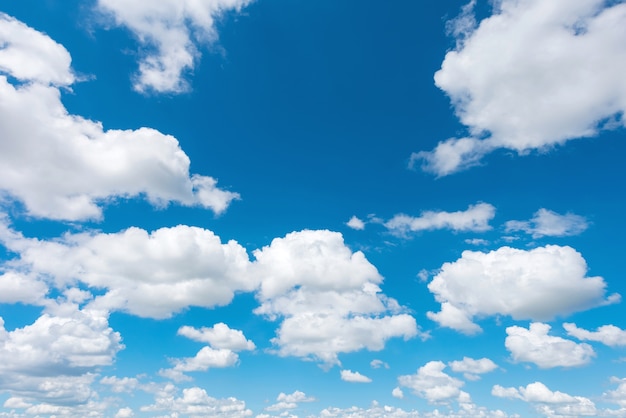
(170, 32)
(531, 76)
(354, 377)
(537, 284)
(433, 384)
(534, 345)
(551, 224)
(607, 334)
(62, 166)
(472, 368)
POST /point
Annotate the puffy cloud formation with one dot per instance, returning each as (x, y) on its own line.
(618, 395)
(547, 402)
(356, 223)
(532, 75)
(551, 224)
(534, 345)
(472, 368)
(536, 284)
(289, 401)
(196, 403)
(327, 297)
(607, 334)
(219, 336)
(431, 383)
(170, 32)
(475, 219)
(354, 377)
(53, 359)
(62, 166)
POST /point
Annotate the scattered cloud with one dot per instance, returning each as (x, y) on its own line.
(531, 76)
(546, 223)
(219, 336)
(472, 368)
(547, 402)
(289, 401)
(354, 377)
(618, 395)
(475, 219)
(537, 284)
(397, 393)
(476, 241)
(431, 383)
(377, 364)
(170, 33)
(356, 223)
(607, 334)
(534, 345)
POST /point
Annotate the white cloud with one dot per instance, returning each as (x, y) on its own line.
(354, 377)
(15, 287)
(147, 274)
(289, 401)
(472, 368)
(548, 223)
(377, 364)
(618, 395)
(205, 359)
(476, 219)
(386, 411)
(531, 76)
(120, 385)
(327, 297)
(219, 336)
(170, 32)
(547, 402)
(196, 403)
(62, 166)
(536, 284)
(534, 345)
(397, 393)
(124, 413)
(607, 334)
(432, 384)
(356, 223)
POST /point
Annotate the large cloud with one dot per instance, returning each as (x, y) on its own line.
(536, 284)
(62, 166)
(532, 75)
(169, 30)
(327, 297)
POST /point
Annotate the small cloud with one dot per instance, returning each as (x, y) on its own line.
(354, 377)
(356, 223)
(551, 224)
(397, 393)
(377, 364)
(476, 241)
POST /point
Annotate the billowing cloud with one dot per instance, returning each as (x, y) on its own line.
(534, 345)
(327, 297)
(551, 224)
(354, 377)
(431, 383)
(607, 334)
(536, 284)
(472, 368)
(289, 401)
(218, 336)
(62, 166)
(475, 219)
(169, 32)
(531, 76)
(547, 402)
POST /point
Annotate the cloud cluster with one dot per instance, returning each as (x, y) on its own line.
(546, 223)
(536, 284)
(532, 75)
(433, 384)
(289, 401)
(170, 32)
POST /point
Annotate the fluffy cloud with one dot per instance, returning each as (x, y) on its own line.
(472, 368)
(551, 224)
(534, 345)
(356, 223)
(147, 274)
(289, 401)
(607, 334)
(618, 395)
(532, 75)
(196, 403)
(547, 402)
(327, 296)
(53, 359)
(219, 336)
(536, 284)
(432, 384)
(476, 219)
(170, 32)
(354, 377)
(378, 411)
(62, 166)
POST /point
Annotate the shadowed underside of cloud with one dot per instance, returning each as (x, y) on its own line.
(533, 75)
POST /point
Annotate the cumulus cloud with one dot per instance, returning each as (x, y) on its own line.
(475, 219)
(531, 76)
(534, 345)
(62, 166)
(218, 336)
(356, 223)
(431, 383)
(607, 334)
(289, 401)
(386, 411)
(617, 395)
(551, 224)
(547, 402)
(354, 377)
(170, 33)
(327, 297)
(472, 368)
(397, 393)
(536, 284)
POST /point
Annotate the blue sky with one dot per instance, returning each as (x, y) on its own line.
(238, 208)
